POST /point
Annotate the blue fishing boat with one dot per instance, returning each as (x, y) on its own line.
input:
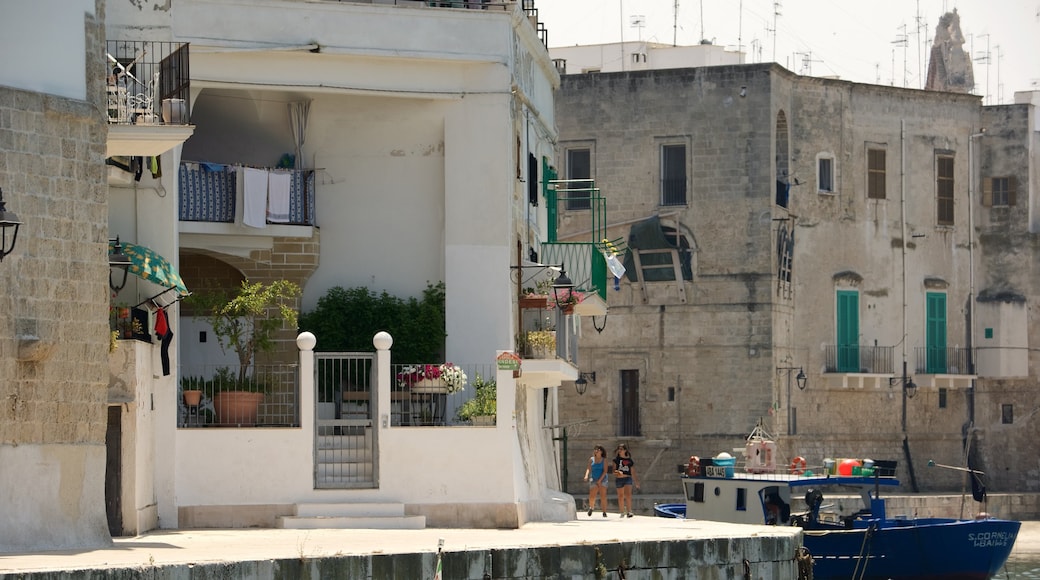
(847, 531)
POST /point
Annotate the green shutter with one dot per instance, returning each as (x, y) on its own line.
(549, 175)
(848, 331)
(935, 329)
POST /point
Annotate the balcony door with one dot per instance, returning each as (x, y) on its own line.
(848, 331)
(935, 329)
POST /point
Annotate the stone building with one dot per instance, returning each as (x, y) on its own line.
(778, 226)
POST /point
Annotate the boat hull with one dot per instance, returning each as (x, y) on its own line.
(913, 549)
(903, 549)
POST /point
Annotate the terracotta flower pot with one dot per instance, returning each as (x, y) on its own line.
(192, 398)
(237, 407)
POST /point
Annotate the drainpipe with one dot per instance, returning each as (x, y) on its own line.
(904, 379)
(971, 272)
(902, 225)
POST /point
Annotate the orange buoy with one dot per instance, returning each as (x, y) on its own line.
(798, 465)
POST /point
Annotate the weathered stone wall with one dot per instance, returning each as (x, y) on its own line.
(54, 337)
(711, 366)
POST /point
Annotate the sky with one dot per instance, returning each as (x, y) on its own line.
(872, 41)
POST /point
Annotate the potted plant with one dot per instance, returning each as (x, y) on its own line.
(246, 322)
(483, 407)
(540, 343)
(445, 378)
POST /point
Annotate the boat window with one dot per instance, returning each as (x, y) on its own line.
(698, 492)
(741, 499)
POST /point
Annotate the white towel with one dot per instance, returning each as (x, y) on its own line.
(278, 197)
(254, 197)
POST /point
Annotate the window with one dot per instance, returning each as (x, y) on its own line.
(741, 499)
(1007, 414)
(825, 174)
(944, 189)
(698, 493)
(935, 333)
(579, 167)
(630, 404)
(998, 192)
(848, 331)
(942, 397)
(876, 173)
(673, 175)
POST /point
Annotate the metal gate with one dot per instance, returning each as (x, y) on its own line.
(344, 440)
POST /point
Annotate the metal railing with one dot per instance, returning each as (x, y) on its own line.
(270, 396)
(840, 358)
(148, 82)
(950, 360)
(419, 397)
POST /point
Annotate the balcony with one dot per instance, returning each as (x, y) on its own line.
(858, 365)
(944, 367)
(209, 192)
(147, 97)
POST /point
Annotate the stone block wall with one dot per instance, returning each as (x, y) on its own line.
(54, 337)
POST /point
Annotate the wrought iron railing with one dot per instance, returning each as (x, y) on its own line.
(871, 359)
(148, 82)
(209, 396)
(949, 360)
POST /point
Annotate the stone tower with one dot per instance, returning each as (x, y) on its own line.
(949, 67)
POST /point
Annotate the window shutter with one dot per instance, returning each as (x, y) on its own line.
(987, 192)
(532, 179)
(1011, 190)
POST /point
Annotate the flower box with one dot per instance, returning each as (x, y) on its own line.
(429, 386)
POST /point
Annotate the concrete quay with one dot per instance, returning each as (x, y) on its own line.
(588, 547)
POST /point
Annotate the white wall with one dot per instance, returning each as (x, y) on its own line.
(47, 58)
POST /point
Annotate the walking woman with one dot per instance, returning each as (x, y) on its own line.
(624, 478)
(596, 475)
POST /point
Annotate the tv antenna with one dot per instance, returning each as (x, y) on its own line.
(638, 21)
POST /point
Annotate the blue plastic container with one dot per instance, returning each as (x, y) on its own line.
(727, 462)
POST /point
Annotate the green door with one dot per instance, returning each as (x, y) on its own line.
(848, 331)
(935, 333)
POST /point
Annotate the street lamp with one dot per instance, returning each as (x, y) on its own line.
(8, 220)
(582, 384)
(802, 381)
(118, 260)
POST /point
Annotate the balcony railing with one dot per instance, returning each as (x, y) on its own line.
(418, 398)
(853, 358)
(203, 399)
(148, 82)
(208, 193)
(950, 360)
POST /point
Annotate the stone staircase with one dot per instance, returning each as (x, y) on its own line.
(376, 516)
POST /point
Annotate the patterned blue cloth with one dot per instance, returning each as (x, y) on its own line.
(207, 194)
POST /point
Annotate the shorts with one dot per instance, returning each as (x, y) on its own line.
(622, 481)
(593, 484)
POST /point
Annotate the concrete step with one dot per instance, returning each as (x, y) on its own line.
(352, 523)
(351, 515)
(350, 509)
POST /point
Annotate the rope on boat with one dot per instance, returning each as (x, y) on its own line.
(864, 551)
(804, 559)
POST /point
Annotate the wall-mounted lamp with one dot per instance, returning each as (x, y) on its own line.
(743, 91)
(909, 386)
(582, 384)
(118, 260)
(7, 220)
(562, 287)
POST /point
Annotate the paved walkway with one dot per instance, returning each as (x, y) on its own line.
(199, 546)
(207, 546)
